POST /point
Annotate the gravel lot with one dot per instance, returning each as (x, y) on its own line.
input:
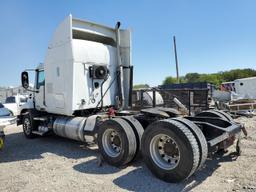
(57, 164)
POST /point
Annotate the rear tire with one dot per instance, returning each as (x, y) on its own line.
(226, 115)
(138, 131)
(200, 138)
(216, 113)
(180, 157)
(117, 142)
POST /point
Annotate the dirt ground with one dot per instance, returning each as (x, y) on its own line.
(57, 164)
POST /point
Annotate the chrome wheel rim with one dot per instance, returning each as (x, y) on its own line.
(27, 126)
(111, 142)
(164, 152)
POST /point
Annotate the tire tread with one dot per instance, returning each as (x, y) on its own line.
(192, 141)
(202, 143)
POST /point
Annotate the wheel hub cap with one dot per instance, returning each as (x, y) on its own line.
(111, 142)
(164, 151)
(116, 141)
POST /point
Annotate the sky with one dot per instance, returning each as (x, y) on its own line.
(211, 35)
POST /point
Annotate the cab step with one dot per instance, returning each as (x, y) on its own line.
(41, 133)
(40, 119)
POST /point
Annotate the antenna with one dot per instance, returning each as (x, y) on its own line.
(176, 59)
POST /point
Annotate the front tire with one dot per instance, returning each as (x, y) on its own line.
(28, 126)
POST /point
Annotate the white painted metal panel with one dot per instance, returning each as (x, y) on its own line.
(59, 70)
(246, 88)
(86, 54)
(76, 45)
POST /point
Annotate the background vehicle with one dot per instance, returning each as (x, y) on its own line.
(83, 91)
(14, 102)
(5, 119)
(4, 111)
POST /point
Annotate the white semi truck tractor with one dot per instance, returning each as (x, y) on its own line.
(83, 91)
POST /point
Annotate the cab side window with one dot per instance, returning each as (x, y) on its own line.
(10, 100)
(40, 79)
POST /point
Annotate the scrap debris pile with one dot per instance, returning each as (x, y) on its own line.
(237, 97)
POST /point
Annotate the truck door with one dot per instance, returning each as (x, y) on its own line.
(40, 90)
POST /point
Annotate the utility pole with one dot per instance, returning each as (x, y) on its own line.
(176, 60)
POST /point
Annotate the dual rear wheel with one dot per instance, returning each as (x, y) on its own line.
(173, 149)
(119, 140)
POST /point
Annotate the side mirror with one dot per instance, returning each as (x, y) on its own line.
(25, 80)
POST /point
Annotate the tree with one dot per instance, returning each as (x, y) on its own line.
(214, 78)
(192, 77)
(170, 80)
(140, 86)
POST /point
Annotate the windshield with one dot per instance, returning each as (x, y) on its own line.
(1, 105)
(10, 100)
